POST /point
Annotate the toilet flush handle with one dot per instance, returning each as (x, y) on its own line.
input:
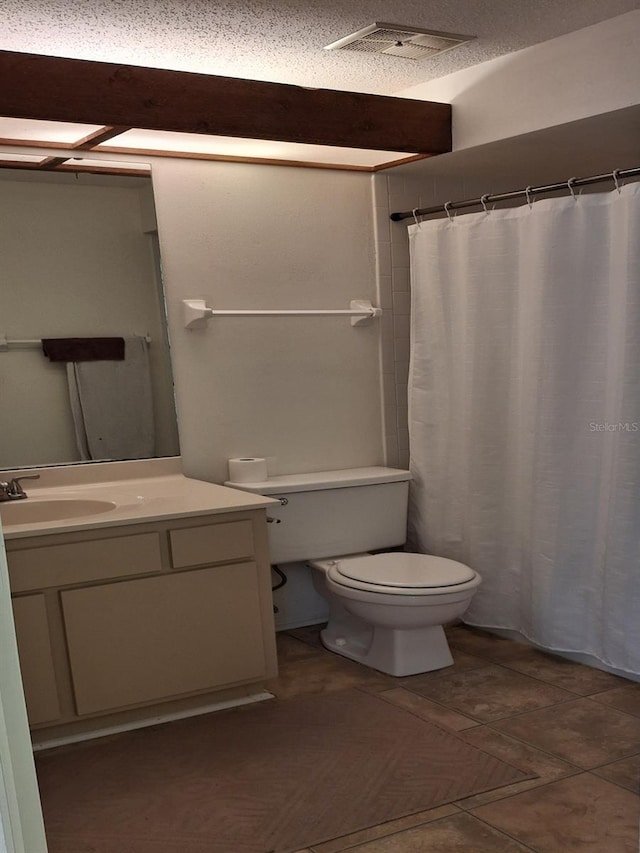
(271, 520)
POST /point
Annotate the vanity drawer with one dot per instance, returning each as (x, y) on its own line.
(83, 562)
(211, 543)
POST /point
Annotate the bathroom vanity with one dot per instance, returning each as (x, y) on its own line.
(159, 604)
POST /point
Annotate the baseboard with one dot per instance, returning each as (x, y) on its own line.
(39, 746)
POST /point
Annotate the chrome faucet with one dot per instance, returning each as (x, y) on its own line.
(13, 491)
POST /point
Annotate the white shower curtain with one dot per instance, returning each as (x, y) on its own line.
(524, 415)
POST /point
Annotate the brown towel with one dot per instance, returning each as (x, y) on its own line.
(83, 349)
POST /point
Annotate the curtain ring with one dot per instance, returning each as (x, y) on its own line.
(615, 175)
(570, 184)
(483, 202)
(415, 217)
(527, 192)
(447, 210)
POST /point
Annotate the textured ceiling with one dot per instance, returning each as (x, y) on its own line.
(282, 41)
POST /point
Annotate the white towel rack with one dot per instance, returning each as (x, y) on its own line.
(36, 343)
(196, 313)
(21, 344)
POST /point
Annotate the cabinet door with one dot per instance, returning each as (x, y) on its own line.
(36, 659)
(140, 641)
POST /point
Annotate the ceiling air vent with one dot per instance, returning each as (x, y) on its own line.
(397, 40)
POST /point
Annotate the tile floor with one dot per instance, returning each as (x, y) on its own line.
(576, 728)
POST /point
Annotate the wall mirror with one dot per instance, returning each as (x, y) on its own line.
(80, 259)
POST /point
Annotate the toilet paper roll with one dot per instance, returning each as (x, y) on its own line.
(248, 469)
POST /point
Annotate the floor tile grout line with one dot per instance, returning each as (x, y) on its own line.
(502, 832)
(626, 681)
(431, 823)
(562, 702)
(533, 710)
(552, 684)
(616, 761)
(571, 698)
(510, 796)
(357, 844)
(316, 649)
(612, 708)
(469, 810)
(633, 791)
(427, 720)
(501, 665)
(449, 708)
(533, 746)
(553, 754)
(505, 665)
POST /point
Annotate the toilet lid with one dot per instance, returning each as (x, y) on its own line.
(400, 570)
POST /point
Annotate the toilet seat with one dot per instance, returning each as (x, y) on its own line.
(400, 574)
(408, 571)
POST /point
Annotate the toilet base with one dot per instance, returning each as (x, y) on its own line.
(397, 652)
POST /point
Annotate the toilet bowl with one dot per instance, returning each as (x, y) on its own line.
(387, 610)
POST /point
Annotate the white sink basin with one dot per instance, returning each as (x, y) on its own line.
(34, 510)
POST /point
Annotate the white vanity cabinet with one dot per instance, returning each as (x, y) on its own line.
(148, 639)
(126, 622)
(36, 658)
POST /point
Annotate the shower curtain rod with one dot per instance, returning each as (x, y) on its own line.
(615, 176)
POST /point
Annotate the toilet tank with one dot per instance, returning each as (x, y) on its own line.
(330, 513)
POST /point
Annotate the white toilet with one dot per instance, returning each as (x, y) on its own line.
(386, 609)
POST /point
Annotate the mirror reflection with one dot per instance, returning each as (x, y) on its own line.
(81, 270)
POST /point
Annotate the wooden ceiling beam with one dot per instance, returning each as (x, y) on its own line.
(52, 162)
(99, 136)
(74, 90)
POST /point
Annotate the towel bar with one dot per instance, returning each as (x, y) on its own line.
(196, 313)
(36, 343)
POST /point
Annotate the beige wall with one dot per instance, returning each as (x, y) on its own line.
(585, 73)
(75, 262)
(304, 392)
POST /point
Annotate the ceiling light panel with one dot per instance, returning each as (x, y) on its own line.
(258, 149)
(29, 130)
(8, 157)
(111, 165)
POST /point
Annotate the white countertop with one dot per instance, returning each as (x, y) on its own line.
(137, 500)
